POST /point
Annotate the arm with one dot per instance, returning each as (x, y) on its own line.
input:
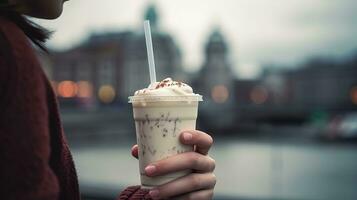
(24, 135)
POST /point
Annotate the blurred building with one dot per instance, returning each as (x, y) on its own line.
(90, 72)
(167, 56)
(215, 81)
(321, 85)
(109, 67)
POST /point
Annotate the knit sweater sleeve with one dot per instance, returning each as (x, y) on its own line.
(134, 193)
(24, 134)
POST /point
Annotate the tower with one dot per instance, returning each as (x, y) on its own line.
(216, 82)
(135, 63)
(152, 16)
(216, 70)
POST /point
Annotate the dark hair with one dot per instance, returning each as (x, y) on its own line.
(37, 34)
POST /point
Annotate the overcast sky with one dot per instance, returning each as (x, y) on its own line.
(257, 31)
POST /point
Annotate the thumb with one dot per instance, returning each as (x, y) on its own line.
(134, 151)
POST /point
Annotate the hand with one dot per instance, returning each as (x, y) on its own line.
(198, 185)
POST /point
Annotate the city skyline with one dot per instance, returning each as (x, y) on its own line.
(258, 32)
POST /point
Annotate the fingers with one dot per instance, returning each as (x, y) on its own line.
(199, 195)
(202, 140)
(134, 151)
(186, 184)
(179, 162)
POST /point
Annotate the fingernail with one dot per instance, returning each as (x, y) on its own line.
(154, 193)
(150, 169)
(187, 136)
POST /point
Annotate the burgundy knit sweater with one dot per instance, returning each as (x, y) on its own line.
(35, 160)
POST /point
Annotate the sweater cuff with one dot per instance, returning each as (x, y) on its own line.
(134, 193)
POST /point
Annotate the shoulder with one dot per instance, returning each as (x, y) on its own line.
(17, 55)
(7, 60)
(21, 75)
(16, 43)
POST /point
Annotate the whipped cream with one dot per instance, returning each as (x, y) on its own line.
(166, 87)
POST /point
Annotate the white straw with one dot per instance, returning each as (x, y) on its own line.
(150, 51)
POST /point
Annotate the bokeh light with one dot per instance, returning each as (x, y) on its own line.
(85, 89)
(259, 95)
(106, 93)
(219, 93)
(353, 94)
(67, 89)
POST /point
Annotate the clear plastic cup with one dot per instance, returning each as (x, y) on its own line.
(159, 120)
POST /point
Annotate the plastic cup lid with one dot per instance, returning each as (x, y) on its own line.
(133, 99)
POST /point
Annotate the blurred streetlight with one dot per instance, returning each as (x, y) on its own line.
(219, 93)
(106, 93)
(67, 89)
(353, 95)
(259, 95)
(85, 89)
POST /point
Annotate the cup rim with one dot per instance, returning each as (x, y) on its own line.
(186, 98)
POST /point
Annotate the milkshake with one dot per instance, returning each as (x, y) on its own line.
(161, 112)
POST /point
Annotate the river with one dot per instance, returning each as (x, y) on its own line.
(245, 169)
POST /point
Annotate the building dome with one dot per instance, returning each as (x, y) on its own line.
(151, 15)
(216, 43)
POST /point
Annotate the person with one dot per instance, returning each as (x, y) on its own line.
(35, 160)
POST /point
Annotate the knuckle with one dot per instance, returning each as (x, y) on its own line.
(212, 164)
(196, 182)
(209, 140)
(194, 159)
(214, 179)
(206, 164)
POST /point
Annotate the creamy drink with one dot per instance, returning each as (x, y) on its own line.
(161, 112)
